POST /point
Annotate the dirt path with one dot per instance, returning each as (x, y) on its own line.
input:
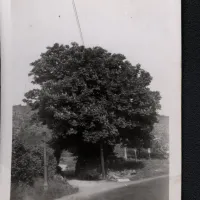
(89, 188)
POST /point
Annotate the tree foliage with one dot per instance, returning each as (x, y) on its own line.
(91, 96)
(27, 147)
(27, 126)
(28, 164)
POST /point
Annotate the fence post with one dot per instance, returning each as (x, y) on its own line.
(102, 161)
(149, 152)
(125, 153)
(135, 150)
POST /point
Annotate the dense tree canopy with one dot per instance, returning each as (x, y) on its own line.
(90, 96)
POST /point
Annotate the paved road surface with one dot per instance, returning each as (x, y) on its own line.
(151, 190)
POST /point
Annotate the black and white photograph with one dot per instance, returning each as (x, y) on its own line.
(95, 99)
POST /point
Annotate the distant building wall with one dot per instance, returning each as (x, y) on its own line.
(161, 129)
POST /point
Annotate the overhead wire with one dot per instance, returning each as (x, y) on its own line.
(78, 22)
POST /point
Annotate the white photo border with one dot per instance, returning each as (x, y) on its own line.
(6, 106)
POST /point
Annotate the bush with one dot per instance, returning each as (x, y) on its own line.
(159, 150)
(18, 191)
(27, 162)
(57, 189)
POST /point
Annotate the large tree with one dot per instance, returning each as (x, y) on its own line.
(88, 97)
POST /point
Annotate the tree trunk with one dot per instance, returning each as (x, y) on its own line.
(79, 166)
(102, 161)
(57, 154)
(149, 152)
(125, 153)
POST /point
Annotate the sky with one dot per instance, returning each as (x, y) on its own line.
(146, 32)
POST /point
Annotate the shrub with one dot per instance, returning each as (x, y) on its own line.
(159, 150)
(57, 189)
(18, 191)
(27, 162)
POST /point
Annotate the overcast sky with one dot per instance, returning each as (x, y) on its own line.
(144, 31)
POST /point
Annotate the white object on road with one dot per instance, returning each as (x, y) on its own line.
(123, 180)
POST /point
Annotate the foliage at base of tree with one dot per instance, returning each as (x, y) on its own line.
(56, 189)
(27, 162)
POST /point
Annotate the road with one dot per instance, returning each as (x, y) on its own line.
(157, 189)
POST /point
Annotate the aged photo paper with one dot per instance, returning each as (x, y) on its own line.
(6, 99)
(95, 99)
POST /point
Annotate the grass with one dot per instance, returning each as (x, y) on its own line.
(56, 189)
(144, 168)
(152, 168)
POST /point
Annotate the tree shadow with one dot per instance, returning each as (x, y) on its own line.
(68, 174)
(113, 163)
